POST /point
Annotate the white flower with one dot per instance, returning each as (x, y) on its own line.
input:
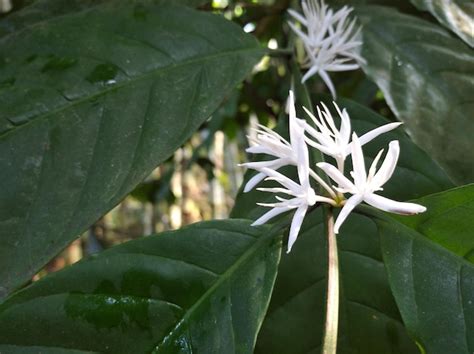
(364, 186)
(330, 42)
(336, 142)
(286, 153)
(303, 196)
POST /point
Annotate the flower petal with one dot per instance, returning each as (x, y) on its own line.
(269, 215)
(388, 165)
(350, 204)
(336, 175)
(328, 82)
(298, 17)
(345, 130)
(252, 182)
(358, 163)
(313, 70)
(364, 139)
(393, 206)
(296, 225)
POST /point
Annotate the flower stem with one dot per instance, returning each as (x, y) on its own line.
(332, 304)
(280, 52)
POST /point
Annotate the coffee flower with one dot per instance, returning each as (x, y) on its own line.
(330, 40)
(365, 185)
(335, 142)
(302, 194)
(271, 143)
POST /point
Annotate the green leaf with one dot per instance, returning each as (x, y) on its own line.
(44, 10)
(433, 287)
(370, 320)
(95, 100)
(426, 76)
(456, 15)
(202, 289)
(448, 221)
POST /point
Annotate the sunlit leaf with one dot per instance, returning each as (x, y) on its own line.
(457, 15)
(426, 76)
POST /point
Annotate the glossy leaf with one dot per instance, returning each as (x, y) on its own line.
(448, 221)
(90, 103)
(457, 15)
(202, 289)
(370, 320)
(45, 10)
(426, 76)
(433, 287)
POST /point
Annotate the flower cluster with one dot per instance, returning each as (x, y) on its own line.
(337, 143)
(330, 39)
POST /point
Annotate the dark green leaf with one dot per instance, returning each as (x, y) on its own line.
(457, 15)
(433, 287)
(201, 289)
(369, 318)
(426, 76)
(449, 220)
(96, 100)
(44, 10)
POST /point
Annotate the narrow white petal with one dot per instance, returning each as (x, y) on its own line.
(345, 130)
(282, 179)
(329, 119)
(328, 82)
(298, 17)
(291, 113)
(393, 206)
(299, 33)
(364, 139)
(296, 225)
(358, 163)
(342, 67)
(388, 165)
(323, 149)
(254, 181)
(322, 183)
(373, 166)
(269, 215)
(312, 71)
(350, 204)
(336, 175)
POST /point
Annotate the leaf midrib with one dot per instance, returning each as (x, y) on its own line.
(130, 81)
(222, 278)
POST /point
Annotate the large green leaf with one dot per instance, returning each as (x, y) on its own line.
(449, 220)
(43, 10)
(201, 289)
(427, 78)
(90, 103)
(370, 320)
(457, 15)
(433, 287)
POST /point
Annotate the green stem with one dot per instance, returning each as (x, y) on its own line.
(332, 304)
(280, 52)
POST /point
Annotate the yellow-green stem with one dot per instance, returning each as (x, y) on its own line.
(332, 304)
